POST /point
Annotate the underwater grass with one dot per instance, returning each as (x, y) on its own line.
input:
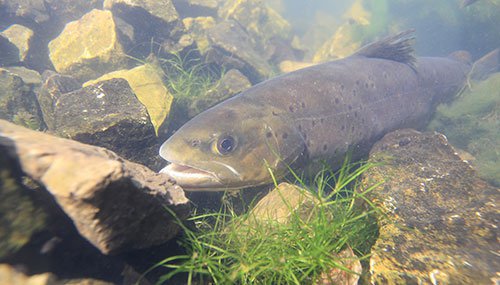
(231, 249)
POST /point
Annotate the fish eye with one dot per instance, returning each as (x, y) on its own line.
(226, 145)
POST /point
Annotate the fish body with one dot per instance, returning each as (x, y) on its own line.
(314, 114)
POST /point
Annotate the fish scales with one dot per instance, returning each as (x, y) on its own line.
(316, 113)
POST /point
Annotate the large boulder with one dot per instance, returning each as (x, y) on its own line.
(147, 83)
(440, 222)
(88, 47)
(115, 204)
(106, 114)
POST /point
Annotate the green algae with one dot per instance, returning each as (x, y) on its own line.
(472, 123)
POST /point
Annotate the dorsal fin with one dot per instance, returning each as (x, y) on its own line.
(398, 48)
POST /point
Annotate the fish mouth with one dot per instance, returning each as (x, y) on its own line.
(192, 178)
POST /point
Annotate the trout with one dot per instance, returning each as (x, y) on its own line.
(318, 113)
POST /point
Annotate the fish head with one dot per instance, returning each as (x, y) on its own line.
(231, 147)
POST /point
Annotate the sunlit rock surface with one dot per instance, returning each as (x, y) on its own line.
(17, 96)
(115, 204)
(442, 220)
(20, 36)
(147, 83)
(88, 47)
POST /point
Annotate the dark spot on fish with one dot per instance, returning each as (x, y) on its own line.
(350, 107)
(357, 82)
(404, 141)
(366, 85)
(305, 136)
(354, 92)
(291, 108)
(269, 135)
(303, 105)
(274, 113)
(322, 120)
(385, 74)
(343, 127)
(355, 114)
(352, 129)
(284, 136)
(300, 128)
(313, 123)
(195, 142)
(373, 85)
(363, 120)
(309, 143)
(337, 100)
(342, 87)
(325, 147)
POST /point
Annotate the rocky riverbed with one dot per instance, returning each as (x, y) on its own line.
(90, 89)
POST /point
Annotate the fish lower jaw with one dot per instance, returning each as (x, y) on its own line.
(190, 178)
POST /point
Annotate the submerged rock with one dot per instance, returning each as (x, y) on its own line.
(117, 205)
(54, 85)
(147, 84)
(231, 83)
(196, 8)
(156, 23)
(88, 47)
(17, 96)
(20, 36)
(232, 47)
(19, 217)
(108, 114)
(10, 53)
(441, 223)
(31, 10)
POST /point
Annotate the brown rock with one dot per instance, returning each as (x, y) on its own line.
(442, 220)
(117, 205)
(20, 36)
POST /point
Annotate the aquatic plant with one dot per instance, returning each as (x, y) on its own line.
(229, 249)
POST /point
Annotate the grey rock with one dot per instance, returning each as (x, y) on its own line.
(10, 53)
(232, 47)
(17, 96)
(33, 10)
(441, 220)
(196, 8)
(156, 23)
(54, 85)
(106, 114)
(115, 204)
(232, 83)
